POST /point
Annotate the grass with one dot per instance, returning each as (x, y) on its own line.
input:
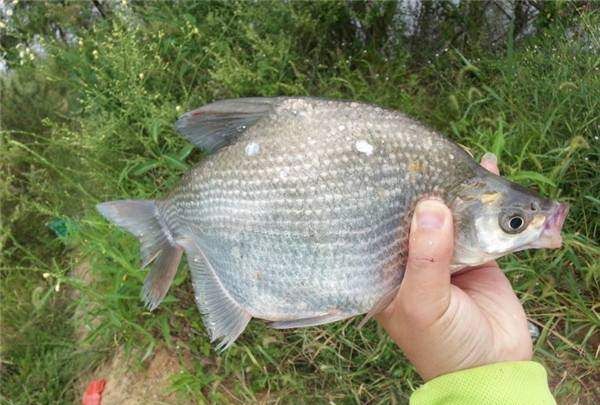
(92, 122)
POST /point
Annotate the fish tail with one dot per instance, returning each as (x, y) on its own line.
(142, 219)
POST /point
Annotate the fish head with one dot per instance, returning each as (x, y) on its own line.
(494, 217)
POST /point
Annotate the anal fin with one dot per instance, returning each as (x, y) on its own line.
(329, 317)
(224, 318)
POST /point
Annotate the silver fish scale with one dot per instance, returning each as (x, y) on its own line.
(308, 212)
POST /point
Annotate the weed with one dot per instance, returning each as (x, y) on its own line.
(93, 122)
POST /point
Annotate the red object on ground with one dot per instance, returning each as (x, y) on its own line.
(93, 392)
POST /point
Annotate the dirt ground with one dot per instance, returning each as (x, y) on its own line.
(127, 385)
(126, 382)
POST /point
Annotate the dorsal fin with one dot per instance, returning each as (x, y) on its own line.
(221, 123)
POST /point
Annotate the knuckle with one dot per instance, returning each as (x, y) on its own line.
(421, 261)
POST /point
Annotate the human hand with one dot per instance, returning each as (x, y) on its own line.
(448, 323)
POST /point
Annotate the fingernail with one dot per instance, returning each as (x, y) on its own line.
(490, 157)
(430, 214)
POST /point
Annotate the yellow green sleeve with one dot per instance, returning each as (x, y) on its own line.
(510, 383)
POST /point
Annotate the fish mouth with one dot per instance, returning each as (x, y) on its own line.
(550, 236)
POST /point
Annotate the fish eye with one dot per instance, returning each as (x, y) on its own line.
(512, 223)
(515, 223)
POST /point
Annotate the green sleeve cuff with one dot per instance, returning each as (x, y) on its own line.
(510, 383)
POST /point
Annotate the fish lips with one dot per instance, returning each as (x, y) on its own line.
(550, 236)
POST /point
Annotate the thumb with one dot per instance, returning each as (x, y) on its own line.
(426, 285)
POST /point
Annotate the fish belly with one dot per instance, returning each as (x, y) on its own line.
(323, 269)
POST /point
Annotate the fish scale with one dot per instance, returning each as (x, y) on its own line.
(301, 214)
(338, 255)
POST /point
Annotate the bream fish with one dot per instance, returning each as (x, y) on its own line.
(300, 215)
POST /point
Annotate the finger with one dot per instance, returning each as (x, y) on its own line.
(488, 276)
(490, 162)
(426, 282)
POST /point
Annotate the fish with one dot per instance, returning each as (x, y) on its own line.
(300, 213)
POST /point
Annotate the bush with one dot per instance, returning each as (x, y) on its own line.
(92, 121)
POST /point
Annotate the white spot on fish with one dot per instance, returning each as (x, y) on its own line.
(451, 156)
(283, 173)
(341, 127)
(364, 147)
(252, 149)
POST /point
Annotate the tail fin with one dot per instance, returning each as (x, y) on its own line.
(140, 217)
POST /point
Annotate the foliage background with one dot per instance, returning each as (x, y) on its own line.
(89, 94)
